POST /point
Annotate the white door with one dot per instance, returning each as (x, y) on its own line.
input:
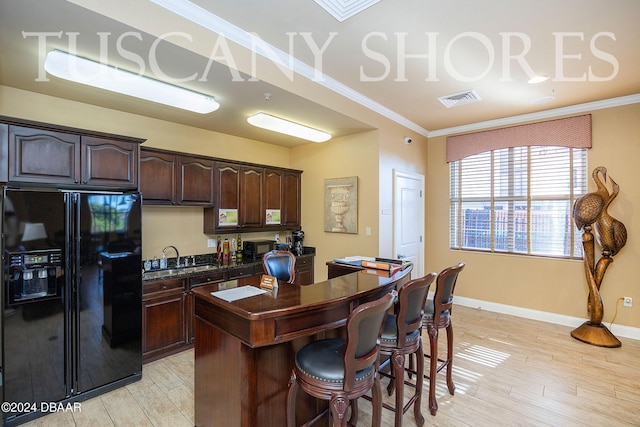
(408, 219)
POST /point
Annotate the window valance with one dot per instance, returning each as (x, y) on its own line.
(573, 132)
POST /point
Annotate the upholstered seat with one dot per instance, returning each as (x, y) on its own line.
(401, 336)
(323, 360)
(281, 265)
(437, 315)
(341, 370)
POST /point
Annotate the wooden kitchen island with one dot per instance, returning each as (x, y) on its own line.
(244, 349)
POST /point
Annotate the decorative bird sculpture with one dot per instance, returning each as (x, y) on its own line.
(611, 233)
(612, 236)
(587, 208)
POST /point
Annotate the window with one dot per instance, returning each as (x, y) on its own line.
(518, 200)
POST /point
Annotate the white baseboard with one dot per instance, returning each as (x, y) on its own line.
(560, 319)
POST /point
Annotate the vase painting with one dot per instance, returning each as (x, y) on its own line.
(341, 205)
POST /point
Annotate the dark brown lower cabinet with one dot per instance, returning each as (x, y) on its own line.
(304, 270)
(168, 305)
(163, 318)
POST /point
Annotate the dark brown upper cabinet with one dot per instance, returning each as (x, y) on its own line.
(273, 184)
(60, 158)
(251, 188)
(291, 216)
(251, 197)
(282, 194)
(239, 198)
(157, 178)
(109, 163)
(168, 178)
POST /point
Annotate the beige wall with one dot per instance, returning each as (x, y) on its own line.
(372, 157)
(341, 157)
(396, 155)
(556, 286)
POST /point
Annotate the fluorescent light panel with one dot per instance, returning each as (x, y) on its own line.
(96, 74)
(276, 124)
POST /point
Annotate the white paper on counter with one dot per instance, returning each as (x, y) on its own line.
(234, 294)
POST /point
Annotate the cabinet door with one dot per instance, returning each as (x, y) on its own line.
(304, 270)
(238, 272)
(164, 326)
(109, 163)
(157, 178)
(291, 215)
(45, 157)
(227, 186)
(273, 196)
(195, 181)
(251, 207)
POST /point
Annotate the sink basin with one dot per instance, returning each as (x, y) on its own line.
(172, 272)
(200, 268)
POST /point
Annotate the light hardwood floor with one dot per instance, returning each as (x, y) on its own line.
(508, 371)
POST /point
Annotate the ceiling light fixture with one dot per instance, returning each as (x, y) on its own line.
(538, 79)
(96, 74)
(276, 124)
(342, 10)
(543, 100)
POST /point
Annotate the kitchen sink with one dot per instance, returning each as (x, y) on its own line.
(173, 272)
(201, 268)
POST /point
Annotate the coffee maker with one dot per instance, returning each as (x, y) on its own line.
(298, 237)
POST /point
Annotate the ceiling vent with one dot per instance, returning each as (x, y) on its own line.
(343, 9)
(461, 98)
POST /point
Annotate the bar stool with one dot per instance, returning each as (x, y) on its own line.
(341, 370)
(401, 336)
(280, 264)
(437, 315)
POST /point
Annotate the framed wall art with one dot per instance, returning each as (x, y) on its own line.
(341, 205)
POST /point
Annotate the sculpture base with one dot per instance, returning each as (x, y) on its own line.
(599, 335)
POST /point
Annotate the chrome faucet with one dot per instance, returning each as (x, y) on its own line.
(177, 254)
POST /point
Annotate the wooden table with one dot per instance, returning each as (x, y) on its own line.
(244, 350)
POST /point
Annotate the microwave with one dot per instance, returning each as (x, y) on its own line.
(254, 249)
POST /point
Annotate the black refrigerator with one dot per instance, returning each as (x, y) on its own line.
(71, 297)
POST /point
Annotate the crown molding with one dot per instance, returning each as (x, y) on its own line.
(541, 115)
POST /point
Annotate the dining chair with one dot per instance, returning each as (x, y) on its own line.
(401, 336)
(437, 315)
(280, 264)
(341, 370)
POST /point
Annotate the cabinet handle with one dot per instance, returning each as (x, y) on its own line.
(164, 286)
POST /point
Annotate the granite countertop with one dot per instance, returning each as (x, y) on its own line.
(204, 264)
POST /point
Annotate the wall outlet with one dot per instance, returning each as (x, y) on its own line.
(627, 302)
(211, 243)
